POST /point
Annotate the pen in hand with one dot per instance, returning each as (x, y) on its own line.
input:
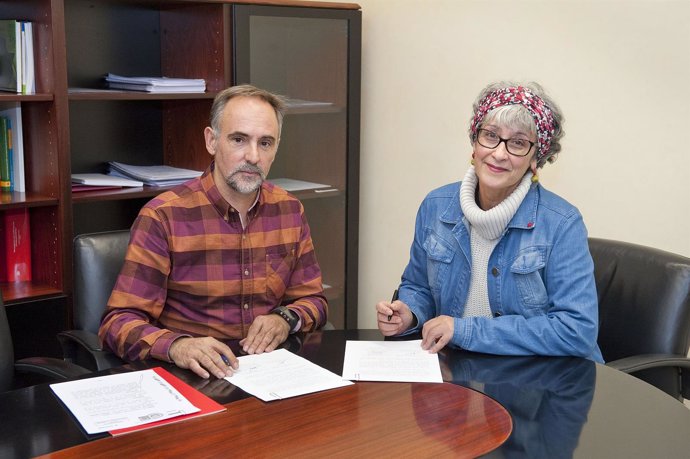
(395, 297)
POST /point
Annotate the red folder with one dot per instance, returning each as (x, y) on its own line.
(17, 245)
(205, 404)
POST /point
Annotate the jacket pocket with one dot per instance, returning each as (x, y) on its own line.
(439, 255)
(527, 269)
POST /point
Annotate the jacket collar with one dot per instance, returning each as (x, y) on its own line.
(524, 218)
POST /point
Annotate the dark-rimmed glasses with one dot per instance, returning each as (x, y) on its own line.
(515, 146)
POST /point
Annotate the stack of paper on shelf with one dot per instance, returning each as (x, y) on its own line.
(155, 84)
(152, 175)
(17, 57)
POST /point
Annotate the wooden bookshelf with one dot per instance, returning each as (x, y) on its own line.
(73, 124)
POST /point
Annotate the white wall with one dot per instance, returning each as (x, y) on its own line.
(620, 71)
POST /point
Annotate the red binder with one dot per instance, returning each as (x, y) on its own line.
(17, 245)
(205, 404)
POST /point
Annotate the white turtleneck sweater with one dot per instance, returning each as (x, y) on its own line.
(486, 229)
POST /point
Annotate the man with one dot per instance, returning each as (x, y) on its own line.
(223, 256)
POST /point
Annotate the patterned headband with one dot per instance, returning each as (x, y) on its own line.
(542, 114)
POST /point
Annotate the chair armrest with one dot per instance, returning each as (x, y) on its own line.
(48, 366)
(83, 348)
(646, 361)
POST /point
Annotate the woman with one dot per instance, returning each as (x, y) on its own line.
(499, 264)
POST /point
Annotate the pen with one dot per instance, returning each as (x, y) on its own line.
(395, 297)
(225, 359)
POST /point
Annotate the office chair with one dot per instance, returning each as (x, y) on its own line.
(31, 370)
(98, 258)
(644, 312)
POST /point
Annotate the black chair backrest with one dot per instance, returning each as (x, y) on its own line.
(6, 351)
(98, 258)
(644, 299)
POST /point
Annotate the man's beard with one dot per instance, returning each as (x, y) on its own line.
(242, 184)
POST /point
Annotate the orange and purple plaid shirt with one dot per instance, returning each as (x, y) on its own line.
(192, 270)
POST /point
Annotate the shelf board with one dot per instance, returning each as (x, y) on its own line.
(111, 94)
(118, 194)
(14, 292)
(14, 199)
(14, 97)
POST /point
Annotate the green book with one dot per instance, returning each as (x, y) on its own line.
(10, 55)
(5, 182)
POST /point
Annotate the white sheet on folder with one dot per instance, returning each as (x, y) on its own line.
(281, 374)
(122, 400)
(397, 361)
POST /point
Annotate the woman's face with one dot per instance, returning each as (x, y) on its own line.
(499, 172)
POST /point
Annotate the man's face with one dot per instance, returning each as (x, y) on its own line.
(245, 147)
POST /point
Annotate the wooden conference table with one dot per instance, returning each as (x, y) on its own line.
(559, 407)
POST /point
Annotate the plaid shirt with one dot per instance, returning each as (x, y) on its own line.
(192, 270)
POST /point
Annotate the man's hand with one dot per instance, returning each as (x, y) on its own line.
(266, 333)
(437, 332)
(203, 356)
(393, 318)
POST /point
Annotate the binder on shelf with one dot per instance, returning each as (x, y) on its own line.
(100, 180)
(159, 175)
(16, 57)
(289, 184)
(16, 140)
(17, 245)
(155, 84)
(28, 76)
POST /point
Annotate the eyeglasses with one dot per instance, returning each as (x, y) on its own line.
(516, 147)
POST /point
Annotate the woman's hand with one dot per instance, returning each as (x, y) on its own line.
(436, 333)
(393, 318)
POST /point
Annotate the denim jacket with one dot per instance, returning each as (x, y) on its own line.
(540, 278)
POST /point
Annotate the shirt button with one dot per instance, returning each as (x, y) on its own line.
(245, 306)
(494, 271)
(246, 272)
(244, 236)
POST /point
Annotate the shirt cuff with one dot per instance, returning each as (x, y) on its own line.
(161, 348)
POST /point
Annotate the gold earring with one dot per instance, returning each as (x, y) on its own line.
(535, 178)
(472, 161)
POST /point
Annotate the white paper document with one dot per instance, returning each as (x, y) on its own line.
(397, 361)
(281, 374)
(123, 400)
(289, 184)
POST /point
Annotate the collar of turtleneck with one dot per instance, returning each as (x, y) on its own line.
(490, 223)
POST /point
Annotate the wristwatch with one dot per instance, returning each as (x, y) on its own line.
(290, 317)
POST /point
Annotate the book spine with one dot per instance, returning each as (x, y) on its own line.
(4, 158)
(10, 153)
(17, 245)
(18, 51)
(3, 252)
